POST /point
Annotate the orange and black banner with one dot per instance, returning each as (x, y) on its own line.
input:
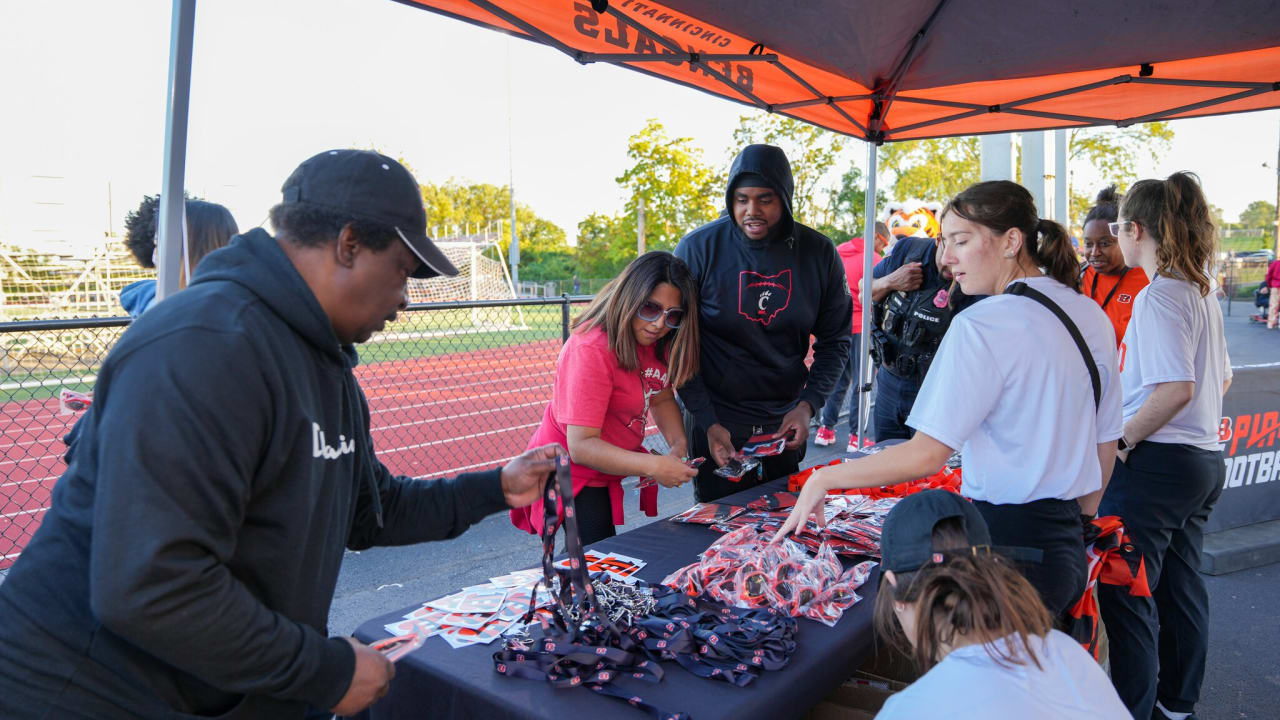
(1250, 433)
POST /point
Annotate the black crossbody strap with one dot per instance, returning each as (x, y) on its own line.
(1027, 291)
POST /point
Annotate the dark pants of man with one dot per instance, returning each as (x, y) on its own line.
(1164, 493)
(709, 487)
(894, 397)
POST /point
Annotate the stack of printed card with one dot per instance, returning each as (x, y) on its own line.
(474, 615)
(619, 567)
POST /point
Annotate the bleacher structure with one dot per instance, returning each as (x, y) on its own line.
(38, 285)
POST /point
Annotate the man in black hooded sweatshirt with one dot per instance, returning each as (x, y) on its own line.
(766, 283)
(188, 561)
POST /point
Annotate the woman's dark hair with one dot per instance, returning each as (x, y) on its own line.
(209, 227)
(310, 226)
(1175, 213)
(1001, 205)
(617, 303)
(972, 593)
(1106, 206)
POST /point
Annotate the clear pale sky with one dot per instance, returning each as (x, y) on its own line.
(275, 81)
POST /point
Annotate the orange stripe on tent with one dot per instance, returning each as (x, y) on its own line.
(664, 41)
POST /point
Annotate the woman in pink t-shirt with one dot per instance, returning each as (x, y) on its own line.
(635, 343)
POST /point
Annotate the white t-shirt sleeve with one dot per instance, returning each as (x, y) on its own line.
(1168, 343)
(961, 389)
(1111, 407)
(1226, 363)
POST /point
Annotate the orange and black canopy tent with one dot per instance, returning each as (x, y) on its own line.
(910, 69)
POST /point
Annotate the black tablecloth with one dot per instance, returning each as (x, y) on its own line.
(436, 681)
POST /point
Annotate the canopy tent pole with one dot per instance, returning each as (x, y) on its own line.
(1061, 203)
(996, 157)
(171, 224)
(1033, 168)
(863, 381)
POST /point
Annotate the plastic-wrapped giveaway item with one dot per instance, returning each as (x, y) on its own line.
(744, 569)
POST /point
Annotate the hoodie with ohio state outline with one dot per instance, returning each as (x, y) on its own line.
(759, 302)
(188, 562)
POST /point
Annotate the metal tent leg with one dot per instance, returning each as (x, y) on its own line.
(868, 245)
(170, 223)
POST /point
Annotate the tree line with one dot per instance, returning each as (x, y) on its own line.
(679, 188)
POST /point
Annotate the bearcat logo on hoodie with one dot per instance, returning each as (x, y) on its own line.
(762, 297)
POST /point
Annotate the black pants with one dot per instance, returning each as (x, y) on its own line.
(894, 397)
(594, 511)
(1164, 493)
(709, 487)
(1053, 527)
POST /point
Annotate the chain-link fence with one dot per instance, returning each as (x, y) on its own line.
(1241, 276)
(451, 386)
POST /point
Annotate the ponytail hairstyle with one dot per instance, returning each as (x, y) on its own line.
(971, 592)
(1000, 205)
(617, 303)
(1175, 213)
(1106, 206)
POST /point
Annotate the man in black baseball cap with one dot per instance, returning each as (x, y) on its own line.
(189, 559)
(369, 186)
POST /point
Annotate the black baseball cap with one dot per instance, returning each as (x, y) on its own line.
(906, 541)
(370, 186)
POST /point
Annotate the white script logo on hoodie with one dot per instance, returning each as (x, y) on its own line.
(320, 449)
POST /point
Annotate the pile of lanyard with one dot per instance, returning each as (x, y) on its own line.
(580, 645)
(948, 478)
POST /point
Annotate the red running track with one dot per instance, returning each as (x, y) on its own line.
(431, 417)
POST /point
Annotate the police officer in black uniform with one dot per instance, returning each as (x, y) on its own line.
(914, 303)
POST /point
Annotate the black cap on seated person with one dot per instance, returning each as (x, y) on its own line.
(369, 186)
(906, 542)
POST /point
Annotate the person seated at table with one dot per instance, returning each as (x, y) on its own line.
(974, 626)
(635, 343)
(1107, 279)
(1005, 388)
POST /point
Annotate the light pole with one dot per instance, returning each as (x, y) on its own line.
(1275, 238)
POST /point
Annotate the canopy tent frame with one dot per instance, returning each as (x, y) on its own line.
(882, 98)
(874, 131)
(171, 226)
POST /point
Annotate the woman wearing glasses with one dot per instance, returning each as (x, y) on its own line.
(1107, 280)
(635, 343)
(1174, 370)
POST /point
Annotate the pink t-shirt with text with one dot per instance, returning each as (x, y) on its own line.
(592, 390)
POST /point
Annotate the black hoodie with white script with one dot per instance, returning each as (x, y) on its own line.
(189, 559)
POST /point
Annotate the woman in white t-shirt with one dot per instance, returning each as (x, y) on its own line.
(1174, 370)
(974, 626)
(1011, 389)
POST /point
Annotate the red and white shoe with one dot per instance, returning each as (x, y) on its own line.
(825, 436)
(853, 444)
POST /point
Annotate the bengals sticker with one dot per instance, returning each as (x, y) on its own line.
(1124, 298)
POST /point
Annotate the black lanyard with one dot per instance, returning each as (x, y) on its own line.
(1114, 288)
(730, 644)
